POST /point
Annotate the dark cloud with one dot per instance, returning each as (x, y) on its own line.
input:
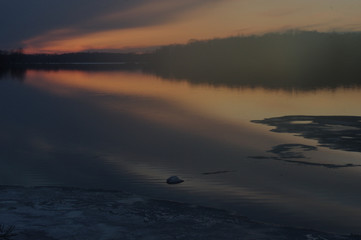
(24, 19)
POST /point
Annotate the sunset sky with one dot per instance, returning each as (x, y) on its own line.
(126, 25)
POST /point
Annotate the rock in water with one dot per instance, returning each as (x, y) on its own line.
(174, 180)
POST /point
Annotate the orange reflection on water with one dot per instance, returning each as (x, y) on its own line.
(235, 104)
(219, 117)
(105, 83)
(173, 104)
(220, 113)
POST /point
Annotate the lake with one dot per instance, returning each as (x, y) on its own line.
(266, 153)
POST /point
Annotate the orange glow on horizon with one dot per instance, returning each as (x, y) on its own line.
(216, 19)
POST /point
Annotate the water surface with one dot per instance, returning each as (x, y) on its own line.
(130, 131)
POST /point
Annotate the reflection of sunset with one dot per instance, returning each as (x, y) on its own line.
(221, 115)
(237, 104)
(108, 82)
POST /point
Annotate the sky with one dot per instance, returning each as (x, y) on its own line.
(57, 26)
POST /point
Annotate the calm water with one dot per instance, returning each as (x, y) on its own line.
(130, 131)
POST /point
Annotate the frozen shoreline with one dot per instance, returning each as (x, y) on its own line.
(57, 213)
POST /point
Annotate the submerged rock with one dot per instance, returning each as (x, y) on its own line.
(174, 180)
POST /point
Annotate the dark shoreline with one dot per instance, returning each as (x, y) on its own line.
(60, 213)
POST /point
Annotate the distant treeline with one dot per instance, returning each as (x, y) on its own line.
(289, 60)
(18, 57)
(15, 63)
(294, 59)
